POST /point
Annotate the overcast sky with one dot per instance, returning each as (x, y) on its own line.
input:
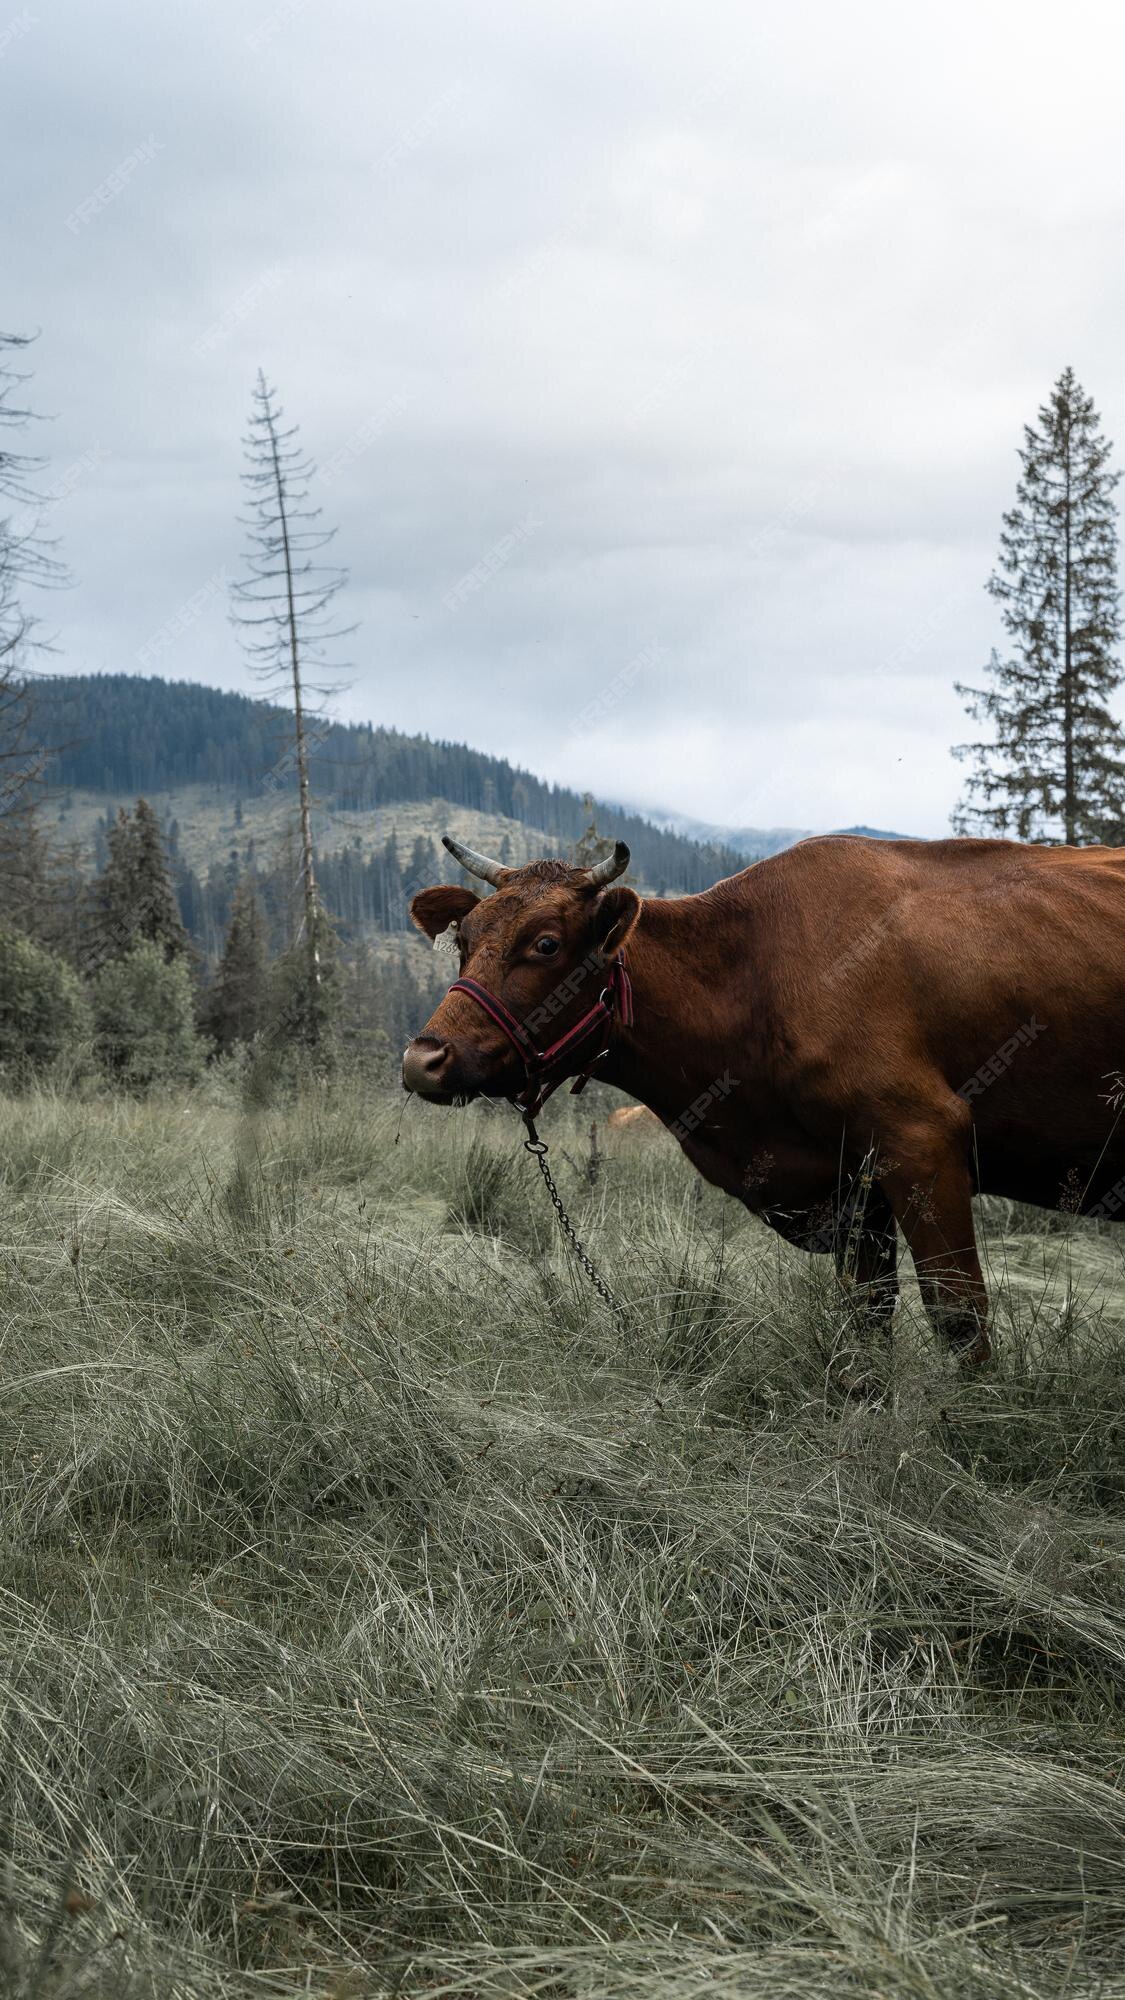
(665, 364)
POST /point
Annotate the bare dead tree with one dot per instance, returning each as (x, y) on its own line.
(27, 558)
(282, 607)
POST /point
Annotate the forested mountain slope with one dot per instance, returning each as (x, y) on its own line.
(122, 735)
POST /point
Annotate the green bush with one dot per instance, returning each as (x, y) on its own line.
(144, 1020)
(43, 1011)
(304, 1011)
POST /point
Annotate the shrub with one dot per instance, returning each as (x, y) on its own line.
(43, 1011)
(304, 1013)
(144, 1021)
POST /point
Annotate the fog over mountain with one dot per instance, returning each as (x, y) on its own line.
(755, 841)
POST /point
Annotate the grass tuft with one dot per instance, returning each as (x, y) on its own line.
(375, 1620)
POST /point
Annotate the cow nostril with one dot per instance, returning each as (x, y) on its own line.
(423, 1064)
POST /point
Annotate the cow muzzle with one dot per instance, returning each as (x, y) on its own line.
(426, 1067)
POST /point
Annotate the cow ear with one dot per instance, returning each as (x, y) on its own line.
(433, 910)
(614, 917)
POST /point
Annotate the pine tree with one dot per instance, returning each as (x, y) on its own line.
(1055, 767)
(157, 917)
(235, 1009)
(133, 901)
(109, 928)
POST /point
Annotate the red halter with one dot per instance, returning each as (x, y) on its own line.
(545, 1069)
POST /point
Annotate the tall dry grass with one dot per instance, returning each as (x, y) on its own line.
(376, 1620)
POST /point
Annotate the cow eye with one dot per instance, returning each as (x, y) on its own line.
(546, 946)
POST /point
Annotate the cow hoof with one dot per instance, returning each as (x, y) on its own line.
(975, 1353)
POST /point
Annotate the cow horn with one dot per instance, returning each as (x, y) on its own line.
(614, 865)
(477, 864)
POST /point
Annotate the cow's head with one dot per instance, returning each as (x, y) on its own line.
(541, 945)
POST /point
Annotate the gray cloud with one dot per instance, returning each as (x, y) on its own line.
(742, 313)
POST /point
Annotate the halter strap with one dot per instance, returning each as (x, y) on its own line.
(541, 1065)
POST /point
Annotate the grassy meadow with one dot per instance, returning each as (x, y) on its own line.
(377, 1617)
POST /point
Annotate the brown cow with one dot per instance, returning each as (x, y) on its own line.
(852, 1034)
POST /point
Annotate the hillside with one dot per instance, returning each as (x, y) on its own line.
(217, 767)
(207, 822)
(223, 755)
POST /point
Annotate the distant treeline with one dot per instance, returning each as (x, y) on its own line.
(125, 734)
(362, 892)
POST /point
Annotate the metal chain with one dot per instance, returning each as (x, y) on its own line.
(537, 1147)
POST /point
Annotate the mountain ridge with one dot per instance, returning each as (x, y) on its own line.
(123, 735)
(757, 843)
(116, 736)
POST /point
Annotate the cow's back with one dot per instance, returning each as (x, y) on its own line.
(986, 968)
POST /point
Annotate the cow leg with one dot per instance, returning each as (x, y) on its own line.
(926, 1179)
(866, 1255)
(859, 1234)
